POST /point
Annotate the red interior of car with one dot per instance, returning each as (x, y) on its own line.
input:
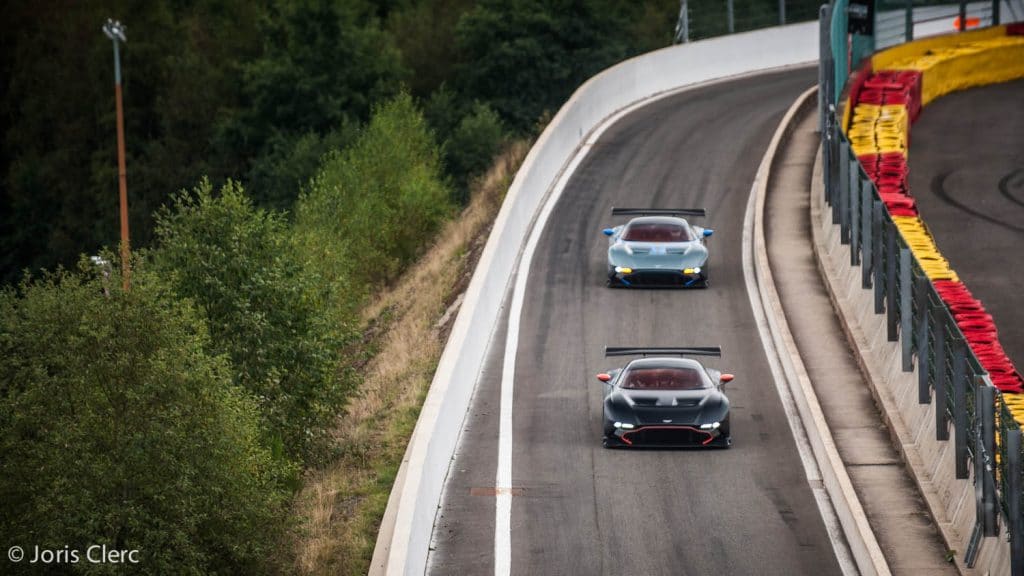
(656, 233)
(663, 379)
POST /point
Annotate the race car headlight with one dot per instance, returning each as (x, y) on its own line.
(623, 270)
(695, 270)
(712, 426)
(624, 425)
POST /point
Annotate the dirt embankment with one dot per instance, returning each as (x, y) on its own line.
(339, 508)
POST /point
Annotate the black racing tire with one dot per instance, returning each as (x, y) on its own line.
(726, 436)
(609, 440)
(609, 429)
(707, 275)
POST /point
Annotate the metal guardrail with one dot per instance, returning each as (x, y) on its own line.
(895, 20)
(986, 437)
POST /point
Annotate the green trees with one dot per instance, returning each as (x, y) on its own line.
(58, 181)
(472, 145)
(266, 311)
(324, 64)
(529, 55)
(259, 91)
(372, 207)
(118, 427)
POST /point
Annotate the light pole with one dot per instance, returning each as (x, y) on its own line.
(115, 31)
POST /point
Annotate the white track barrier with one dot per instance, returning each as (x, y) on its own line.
(404, 538)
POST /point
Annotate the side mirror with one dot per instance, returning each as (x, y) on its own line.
(603, 377)
(725, 378)
(708, 232)
(608, 231)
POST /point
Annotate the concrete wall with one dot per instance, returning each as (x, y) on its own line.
(403, 541)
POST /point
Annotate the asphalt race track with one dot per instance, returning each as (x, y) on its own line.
(579, 508)
(967, 175)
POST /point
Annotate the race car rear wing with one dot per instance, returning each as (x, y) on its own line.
(662, 351)
(659, 212)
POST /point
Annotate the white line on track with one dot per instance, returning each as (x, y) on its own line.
(503, 481)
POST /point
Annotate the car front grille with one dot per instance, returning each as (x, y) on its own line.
(667, 436)
(669, 278)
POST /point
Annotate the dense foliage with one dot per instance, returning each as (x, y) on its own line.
(118, 427)
(372, 207)
(265, 311)
(530, 54)
(258, 91)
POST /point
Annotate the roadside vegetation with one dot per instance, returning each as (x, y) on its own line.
(309, 184)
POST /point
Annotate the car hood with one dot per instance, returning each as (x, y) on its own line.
(686, 407)
(646, 255)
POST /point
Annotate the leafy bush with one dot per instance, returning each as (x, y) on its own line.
(472, 146)
(266, 311)
(372, 207)
(288, 162)
(118, 427)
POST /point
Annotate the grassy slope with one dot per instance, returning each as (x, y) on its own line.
(339, 508)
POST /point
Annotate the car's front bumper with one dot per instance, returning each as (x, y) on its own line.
(658, 277)
(668, 436)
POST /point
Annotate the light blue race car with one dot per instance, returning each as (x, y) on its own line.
(658, 248)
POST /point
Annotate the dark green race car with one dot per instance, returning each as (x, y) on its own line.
(658, 248)
(662, 400)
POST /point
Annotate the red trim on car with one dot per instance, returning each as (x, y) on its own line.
(697, 430)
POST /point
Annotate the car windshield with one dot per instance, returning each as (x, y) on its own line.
(656, 232)
(668, 378)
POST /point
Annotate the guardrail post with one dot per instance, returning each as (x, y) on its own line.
(962, 21)
(906, 310)
(891, 269)
(878, 233)
(824, 57)
(834, 162)
(995, 12)
(828, 153)
(984, 457)
(865, 233)
(960, 407)
(939, 383)
(908, 31)
(924, 348)
(1013, 486)
(844, 191)
(855, 182)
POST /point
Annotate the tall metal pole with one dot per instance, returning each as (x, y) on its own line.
(782, 12)
(729, 16)
(115, 31)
